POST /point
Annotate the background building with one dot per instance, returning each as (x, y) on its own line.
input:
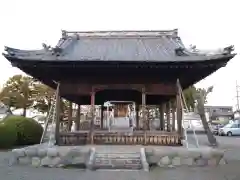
(221, 113)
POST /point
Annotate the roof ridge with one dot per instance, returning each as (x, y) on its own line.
(122, 33)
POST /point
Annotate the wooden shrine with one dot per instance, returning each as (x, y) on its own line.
(145, 67)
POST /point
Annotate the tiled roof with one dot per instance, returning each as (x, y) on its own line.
(156, 46)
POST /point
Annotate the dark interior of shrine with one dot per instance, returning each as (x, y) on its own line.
(119, 95)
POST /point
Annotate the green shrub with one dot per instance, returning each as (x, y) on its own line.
(8, 136)
(27, 130)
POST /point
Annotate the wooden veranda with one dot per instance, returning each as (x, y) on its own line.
(167, 132)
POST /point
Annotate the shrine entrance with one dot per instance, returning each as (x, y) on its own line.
(120, 115)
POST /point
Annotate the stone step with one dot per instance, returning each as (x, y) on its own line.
(112, 156)
(125, 158)
(122, 158)
(132, 167)
(118, 165)
(128, 161)
(118, 155)
(119, 160)
(117, 170)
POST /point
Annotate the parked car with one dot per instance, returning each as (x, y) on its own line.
(230, 130)
(215, 128)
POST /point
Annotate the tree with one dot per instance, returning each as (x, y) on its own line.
(189, 95)
(43, 97)
(7, 97)
(198, 97)
(201, 98)
(18, 92)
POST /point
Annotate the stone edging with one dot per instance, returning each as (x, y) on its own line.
(49, 157)
(92, 152)
(144, 159)
(43, 156)
(185, 157)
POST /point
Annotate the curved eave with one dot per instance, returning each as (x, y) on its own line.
(58, 60)
(14, 61)
(27, 55)
(49, 75)
(86, 67)
(20, 52)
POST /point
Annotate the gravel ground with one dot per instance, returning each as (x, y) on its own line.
(230, 144)
(226, 172)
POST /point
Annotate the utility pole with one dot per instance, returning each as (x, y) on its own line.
(237, 91)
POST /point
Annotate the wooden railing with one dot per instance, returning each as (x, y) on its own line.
(73, 138)
(136, 138)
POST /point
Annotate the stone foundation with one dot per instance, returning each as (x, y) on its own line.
(51, 157)
(184, 157)
(84, 156)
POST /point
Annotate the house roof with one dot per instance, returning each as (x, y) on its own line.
(217, 107)
(152, 46)
(3, 108)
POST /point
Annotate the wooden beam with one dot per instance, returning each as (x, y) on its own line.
(173, 115)
(78, 117)
(168, 116)
(85, 88)
(58, 111)
(70, 116)
(92, 114)
(137, 116)
(144, 113)
(102, 110)
(117, 79)
(161, 118)
(179, 110)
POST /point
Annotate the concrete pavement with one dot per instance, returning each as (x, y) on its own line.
(226, 172)
(230, 144)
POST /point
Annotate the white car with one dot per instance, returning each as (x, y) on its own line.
(230, 130)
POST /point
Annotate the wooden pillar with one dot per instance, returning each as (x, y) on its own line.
(92, 115)
(78, 117)
(144, 109)
(137, 116)
(173, 115)
(168, 116)
(179, 111)
(69, 116)
(147, 118)
(102, 109)
(58, 111)
(161, 118)
(144, 113)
